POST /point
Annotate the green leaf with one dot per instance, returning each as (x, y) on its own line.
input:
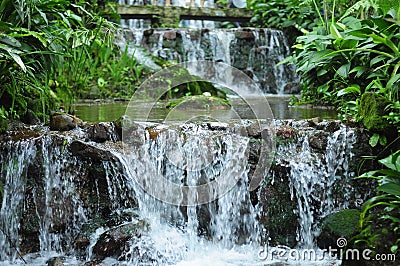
(392, 161)
(377, 59)
(352, 89)
(382, 140)
(394, 248)
(359, 69)
(390, 188)
(373, 141)
(9, 40)
(334, 31)
(343, 71)
(393, 80)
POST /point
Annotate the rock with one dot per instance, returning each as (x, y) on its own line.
(286, 133)
(372, 109)
(292, 88)
(244, 34)
(313, 122)
(101, 132)
(30, 118)
(343, 224)
(64, 122)
(278, 213)
(328, 126)
(155, 131)
(56, 261)
(319, 141)
(170, 35)
(112, 243)
(86, 151)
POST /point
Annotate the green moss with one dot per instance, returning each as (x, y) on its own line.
(343, 223)
(372, 109)
(3, 124)
(200, 102)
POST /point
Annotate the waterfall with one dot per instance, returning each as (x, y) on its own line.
(256, 52)
(62, 196)
(182, 156)
(15, 158)
(320, 185)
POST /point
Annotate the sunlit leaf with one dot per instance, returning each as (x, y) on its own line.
(373, 141)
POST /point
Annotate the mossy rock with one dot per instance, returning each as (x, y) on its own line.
(3, 124)
(344, 223)
(372, 109)
(200, 102)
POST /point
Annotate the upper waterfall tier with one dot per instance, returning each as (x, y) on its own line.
(256, 52)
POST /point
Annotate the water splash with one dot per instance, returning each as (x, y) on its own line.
(15, 158)
(314, 180)
(192, 156)
(61, 202)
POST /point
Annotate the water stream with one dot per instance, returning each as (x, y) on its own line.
(41, 177)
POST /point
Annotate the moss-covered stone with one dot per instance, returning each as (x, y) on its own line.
(279, 211)
(200, 102)
(3, 124)
(372, 109)
(344, 223)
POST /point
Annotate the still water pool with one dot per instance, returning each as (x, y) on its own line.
(105, 112)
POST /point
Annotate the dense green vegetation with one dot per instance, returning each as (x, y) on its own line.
(53, 52)
(347, 55)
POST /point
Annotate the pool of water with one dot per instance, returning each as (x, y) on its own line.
(104, 112)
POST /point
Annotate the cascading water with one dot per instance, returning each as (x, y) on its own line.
(84, 195)
(182, 156)
(256, 52)
(15, 158)
(320, 185)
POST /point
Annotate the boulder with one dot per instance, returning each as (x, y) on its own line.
(112, 243)
(343, 224)
(102, 132)
(87, 151)
(64, 122)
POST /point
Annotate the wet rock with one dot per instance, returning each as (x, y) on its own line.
(64, 122)
(30, 118)
(313, 122)
(286, 133)
(292, 88)
(319, 141)
(86, 151)
(56, 261)
(278, 213)
(170, 35)
(217, 126)
(328, 126)
(113, 242)
(155, 131)
(343, 224)
(244, 34)
(101, 132)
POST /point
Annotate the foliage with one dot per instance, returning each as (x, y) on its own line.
(104, 71)
(36, 36)
(282, 14)
(56, 51)
(353, 57)
(380, 215)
